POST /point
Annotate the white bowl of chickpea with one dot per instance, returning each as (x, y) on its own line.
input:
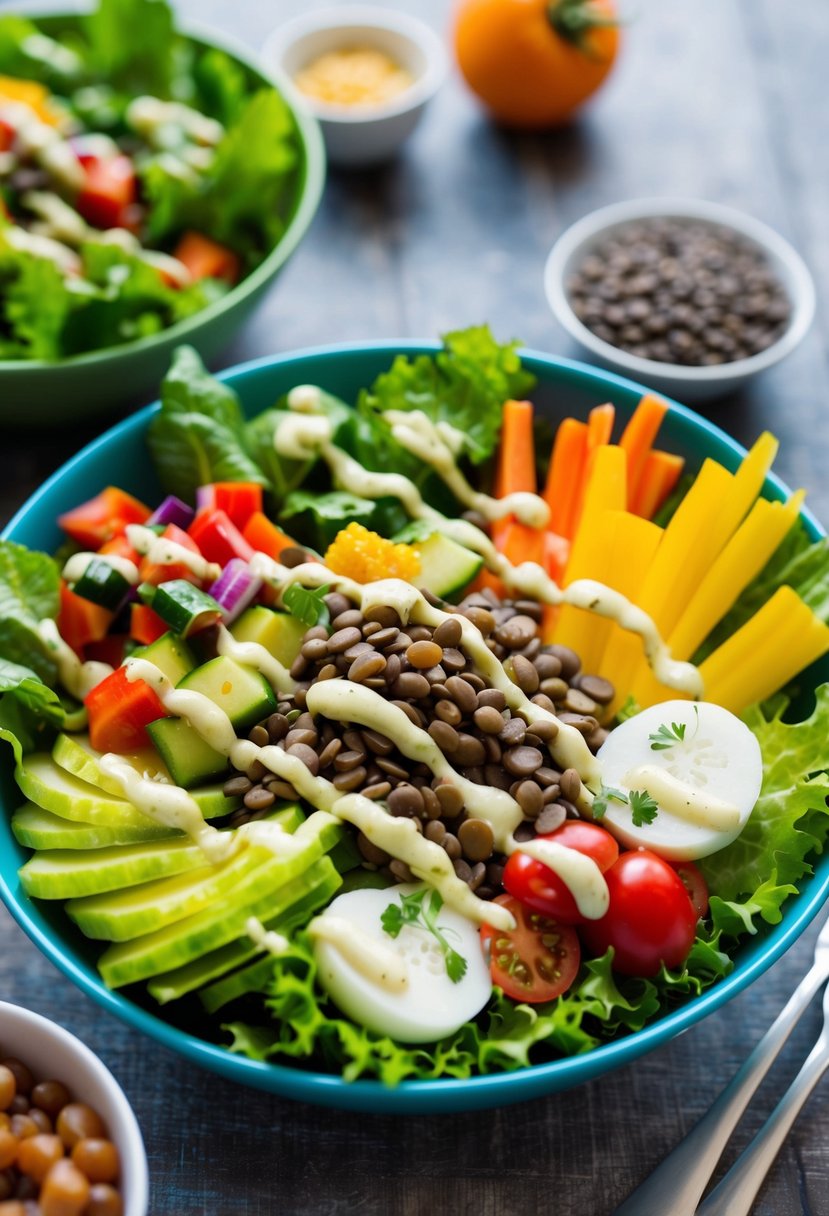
(365, 73)
(69, 1141)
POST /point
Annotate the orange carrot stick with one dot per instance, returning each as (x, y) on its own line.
(638, 436)
(659, 477)
(600, 425)
(564, 477)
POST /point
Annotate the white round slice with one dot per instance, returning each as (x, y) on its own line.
(704, 774)
(398, 986)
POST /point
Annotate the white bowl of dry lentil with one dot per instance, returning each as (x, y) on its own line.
(612, 277)
(52, 1053)
(406, 65)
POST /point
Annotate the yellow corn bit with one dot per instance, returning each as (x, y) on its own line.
(29, 93)
(364, 556)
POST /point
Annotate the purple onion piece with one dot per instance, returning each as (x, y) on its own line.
(204, 498)
(235, 589)
(173, 511)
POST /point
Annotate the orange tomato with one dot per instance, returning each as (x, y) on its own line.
(533, 62)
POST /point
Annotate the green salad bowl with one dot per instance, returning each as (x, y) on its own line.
(35, 392)
(120, 457)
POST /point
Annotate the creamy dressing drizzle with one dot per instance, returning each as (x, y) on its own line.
(44, 143)
(165, 552)
(76, 565)
(266, 939)
(368, 956)
(685, 801)
(399, 837)
(253, 655)
(76, 677)
(304, 435)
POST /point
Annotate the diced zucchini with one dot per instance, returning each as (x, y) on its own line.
(184, 607)
(446, 567)
(244, 695)
(189, 758)
(102, 584)
(170, 654)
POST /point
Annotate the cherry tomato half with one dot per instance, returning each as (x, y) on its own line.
(694, 884)
(537, 961)
(650, 919)
(540, 888)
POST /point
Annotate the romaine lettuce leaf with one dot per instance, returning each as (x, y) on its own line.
(28, 708)
(29, 593)
(132, 43)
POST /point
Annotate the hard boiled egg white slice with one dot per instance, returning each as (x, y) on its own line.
(705, 782)
(398, 986)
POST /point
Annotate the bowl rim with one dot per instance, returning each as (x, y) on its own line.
(595, 223)
(442, 1094)
(363, 16)
(310, 138)
(128, 1128)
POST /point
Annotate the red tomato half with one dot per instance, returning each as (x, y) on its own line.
(537, 886)
(109, 191)
(694, 884)
(537, 961)
(650, 920)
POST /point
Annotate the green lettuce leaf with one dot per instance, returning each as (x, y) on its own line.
(35, 305)
(465, 384)
(315, 519)
(29, 709)
(131, 43)
(197, 437)
(282, 473)
(791, 818)
(29, 593)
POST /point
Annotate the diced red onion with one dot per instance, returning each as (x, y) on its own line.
(205, 497)
(173, 511)
(235, 589)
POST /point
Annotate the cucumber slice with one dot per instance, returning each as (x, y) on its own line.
(446, 567)
(56, 790)
(244, 695)
(119, 914)
(185, 940)
(280, 634)
(68, 873)
(175, 984)
(77, 756)
(170, 654)
(38, 829)
(190, 759)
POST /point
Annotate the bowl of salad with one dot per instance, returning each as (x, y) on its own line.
(153, 182)
(425, 790)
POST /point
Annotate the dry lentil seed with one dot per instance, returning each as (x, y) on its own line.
(597, 738)
(546, 775)
(401, 871)
(377, 789)
(492, 748)
(577, 702)
(392, 768)
(411, 684)
(329, 753)
(582, 724)
(492, 698)
(409, 710)
(444, 735)
(384, 637)
(462, 693)
(488, 720)
(470, 751)
(451, 846)
(447, 711)
(336, 603)
(299, 734)
(340, 641)
(524, 674)
(448, 633)
(530, 798)
(453, 660)
(555, 687)
(307, 755)
(570, 661)
(450, 799)
(551, 794)
(259, 735)
(299, 667)
(384, 614)
(259, 798)
(434, 831)
(346, 761)
(524, 831)
(597, 688)
(328, 672)
(350, 618)
(570, 784)
(424, 654)
(236, 787)
(522, 761)
(365, 666)
(257, 772)
(516, 632)
(543, 702)
(474, 681)
(348, 782)
(419, 633)
(393, 668)
(481, 618)
(548, 665)
(495, 775)
(512, 732)
(283, 789)
(405, 802)
(314, 649)
(372, 852)
(546, 729)
(550, 819)
(476, 839)
(463, 870)
(354, 652)
(370, 628)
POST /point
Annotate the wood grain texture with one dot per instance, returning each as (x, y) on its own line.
(723, 99)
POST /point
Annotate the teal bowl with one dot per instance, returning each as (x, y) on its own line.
(120, 457)
(34, 392)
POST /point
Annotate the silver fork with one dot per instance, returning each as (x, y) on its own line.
(735, 1195)
(677, 1183)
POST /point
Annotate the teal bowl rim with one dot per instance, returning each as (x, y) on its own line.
(310, 188)
(443, 1095)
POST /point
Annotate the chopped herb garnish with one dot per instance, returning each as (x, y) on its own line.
(422, 908)
(643, 808)
(669, 736)
(605, 795)
(307, 605)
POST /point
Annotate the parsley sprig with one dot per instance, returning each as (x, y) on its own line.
(668, 736)
(423, 908)
(307, 605)
(643, 807)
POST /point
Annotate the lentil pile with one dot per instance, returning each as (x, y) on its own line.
(56, 1158)
(424, 673)
(680, 292)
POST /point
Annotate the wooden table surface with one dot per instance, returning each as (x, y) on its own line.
(722, 99)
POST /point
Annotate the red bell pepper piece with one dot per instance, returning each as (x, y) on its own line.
(103, 517)
(80, 621)
(108, 650)
(119, 712)
(218, 538)
(164, 572)
(146, 626)
(238, 499)
(206, 259)
(265, 536)
(109, 191)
